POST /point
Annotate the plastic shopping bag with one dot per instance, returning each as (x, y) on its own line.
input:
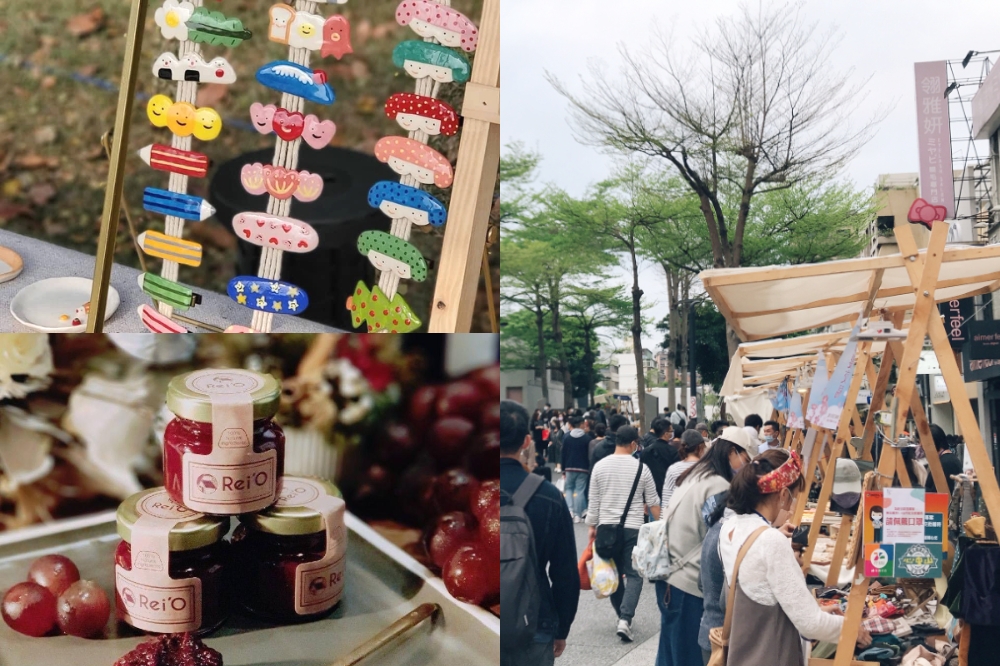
(588, 554)
(603, 577)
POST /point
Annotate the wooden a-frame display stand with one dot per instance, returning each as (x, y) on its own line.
(465, 232)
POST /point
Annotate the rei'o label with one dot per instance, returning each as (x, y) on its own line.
(319, 584)
(166, 606)
(233, 478)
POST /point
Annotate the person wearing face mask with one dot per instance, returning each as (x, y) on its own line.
(771, 598)
(769, 436)
(679, 597)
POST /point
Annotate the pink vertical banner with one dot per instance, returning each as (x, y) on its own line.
(937, 178)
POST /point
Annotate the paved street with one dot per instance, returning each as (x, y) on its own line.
(592, 640)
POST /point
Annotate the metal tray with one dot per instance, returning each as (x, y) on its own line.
(383, 584)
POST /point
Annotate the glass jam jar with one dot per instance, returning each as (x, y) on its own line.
(170, 566)
(291, 556)
(233, 466)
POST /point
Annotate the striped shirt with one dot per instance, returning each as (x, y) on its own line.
(610, 484)
(670, 481)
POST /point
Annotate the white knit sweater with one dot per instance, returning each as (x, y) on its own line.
(771, 575)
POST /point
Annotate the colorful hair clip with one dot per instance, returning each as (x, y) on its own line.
(432, 19)
(289, 77)
(283, 233)
(400, 201)
(412, 158)
(208, 27)
(235, 328)
(170, 248)
(393, 254)
(425, 59)
(192, 67)
(185, 162)
(418, 112)
(158, 323)
(184, 206)
(266, 295)
(381, 314)
(172, 19)
(281, 183)
(183, 119)
(167, 291)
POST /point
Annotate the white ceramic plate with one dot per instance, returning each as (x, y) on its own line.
(39, 305)
(10, 264)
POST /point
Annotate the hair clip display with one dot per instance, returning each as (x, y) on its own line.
(168, 291)
(183, 162)
(193, 67)
(408, 157)
(289, 77)
(393, 254)
(303, 30)
(267, 295)
(431, 19)
(184, 206)
(183, 119)
(170, 248)
(282, 233)
(402, 202)
(382, 314)
(419, 113)
(281, 183)
(156, 322)
(428, 60)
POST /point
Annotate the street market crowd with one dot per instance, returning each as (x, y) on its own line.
(718, 498)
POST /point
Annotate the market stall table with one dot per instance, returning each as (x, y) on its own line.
(43, 260)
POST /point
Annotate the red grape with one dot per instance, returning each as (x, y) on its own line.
(30, 609)
(488, 379)
(461, 398)
(398, 448)
(489, 531)
(490, 419)
(453, 490)
(450, 438)
(485, 498)
(484, 462)
(470, 575)
(415, 491)
(453, 530)
(422, 407)
(83, 609)
(54, 572)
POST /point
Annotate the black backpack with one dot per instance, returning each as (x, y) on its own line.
(520, 597)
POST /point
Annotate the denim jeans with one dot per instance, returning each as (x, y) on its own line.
(680, 618)
(626, 597)
(576, 489)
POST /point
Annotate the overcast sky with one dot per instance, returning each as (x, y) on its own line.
(881, 39)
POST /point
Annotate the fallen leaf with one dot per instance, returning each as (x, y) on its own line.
(41, 193)
(366, 104)
(211, 94)
(45, 134)
(48, 82)
(33, 161)
(11, 188)
(8, 211)
(82, 25)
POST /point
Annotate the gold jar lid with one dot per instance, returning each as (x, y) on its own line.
(188, 394)
(192, 530)
(288, 516)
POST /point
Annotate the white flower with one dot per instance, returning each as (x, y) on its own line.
(25, 355)
(172, 18)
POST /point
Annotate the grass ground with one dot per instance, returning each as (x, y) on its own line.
(60, 63)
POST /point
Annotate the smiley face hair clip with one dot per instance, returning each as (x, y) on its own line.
(193, 67)
(290, 125)
(331, 36)
(183, 119)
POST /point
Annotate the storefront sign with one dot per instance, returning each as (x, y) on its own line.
(956, 313)
(904, 533)
(984, 340)
(937, 179)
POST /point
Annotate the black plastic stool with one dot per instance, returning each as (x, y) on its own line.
(329, 273)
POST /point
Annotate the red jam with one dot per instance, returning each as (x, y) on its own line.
(184, 435)
(207, 564)
(267, 565)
